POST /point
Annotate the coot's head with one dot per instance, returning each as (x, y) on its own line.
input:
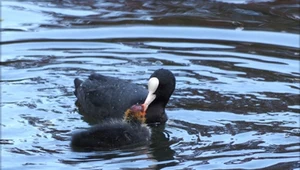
(136, 114)
(161, 86)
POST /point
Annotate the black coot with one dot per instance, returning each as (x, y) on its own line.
(115, 133)
(101, 97)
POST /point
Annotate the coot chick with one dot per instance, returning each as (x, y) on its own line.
(101, 97)
(115, 133)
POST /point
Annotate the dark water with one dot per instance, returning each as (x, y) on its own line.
(236, 103)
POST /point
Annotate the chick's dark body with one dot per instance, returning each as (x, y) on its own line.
(111, 134)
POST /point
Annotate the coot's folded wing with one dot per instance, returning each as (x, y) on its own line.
(101, 97)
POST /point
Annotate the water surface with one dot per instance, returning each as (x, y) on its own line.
(236, 103)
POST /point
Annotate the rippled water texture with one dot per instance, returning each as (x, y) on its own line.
(236, 103)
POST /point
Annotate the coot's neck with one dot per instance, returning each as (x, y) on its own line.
(156, 113)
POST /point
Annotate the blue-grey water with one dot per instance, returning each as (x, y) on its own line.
(236, 103)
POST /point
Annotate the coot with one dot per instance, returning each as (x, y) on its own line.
(101, 97)
(115, 133)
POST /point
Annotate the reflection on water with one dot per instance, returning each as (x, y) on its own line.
(236, 103)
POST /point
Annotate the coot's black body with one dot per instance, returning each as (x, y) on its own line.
(102, 97)
(112, 134)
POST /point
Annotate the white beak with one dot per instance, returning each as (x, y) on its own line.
(152, 87)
